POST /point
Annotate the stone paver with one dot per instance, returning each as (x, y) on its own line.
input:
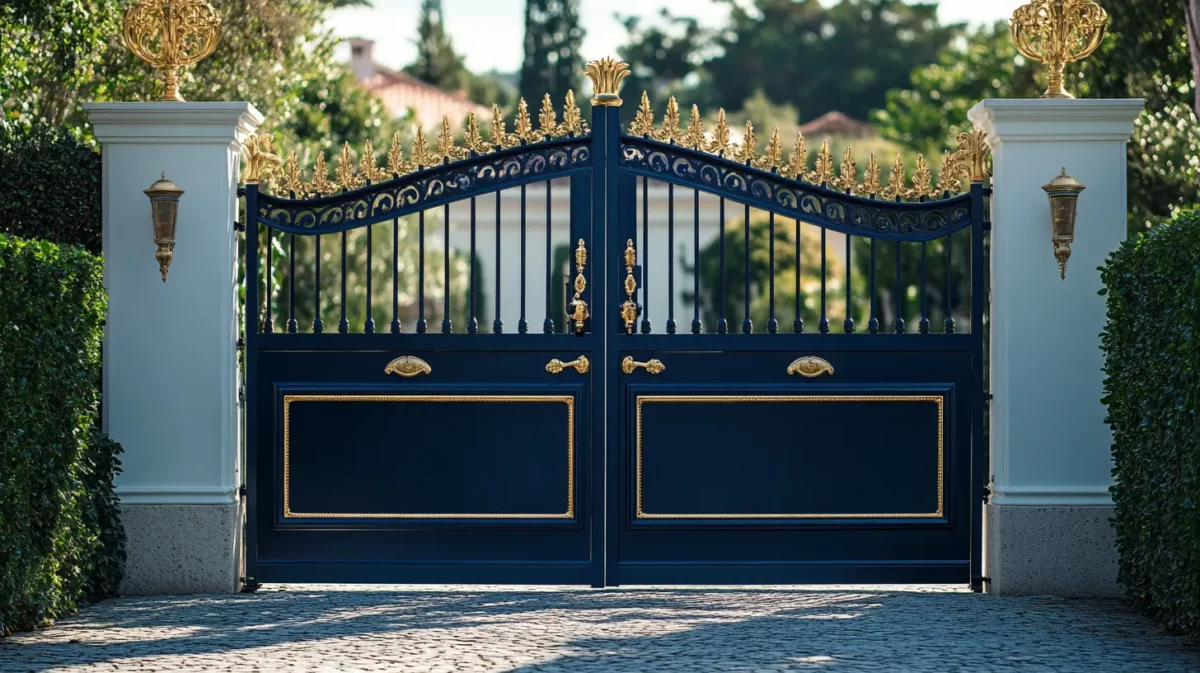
(839, 629)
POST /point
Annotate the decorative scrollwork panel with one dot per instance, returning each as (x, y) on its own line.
(873, 218)
(428, 188)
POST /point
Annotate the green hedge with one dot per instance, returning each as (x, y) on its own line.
(1152, 390)
(50, 186)
(60, 539)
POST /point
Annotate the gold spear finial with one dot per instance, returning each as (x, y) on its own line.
(643, 122)
(500, 136)
(670, 132)
(922, 179)
(797, 165)
(421, 155)
(747, 153)
(896, 180)
(472, 138)
(171, 35)
(823, 175)
(695, 138)
(446, 145)
(774, 154)
(606, 75)
(847, 179)
(347, 178)
(292, 181)
(572, 123)
(548, 118)
(524, 124)
(1058, 32)
(720, 144)
(871, 180)
(321, 184)
(397, 164)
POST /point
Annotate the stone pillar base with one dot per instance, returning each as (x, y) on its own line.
(181, 549)
(1067, 551)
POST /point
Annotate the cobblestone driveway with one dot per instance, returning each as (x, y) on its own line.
(614, 631)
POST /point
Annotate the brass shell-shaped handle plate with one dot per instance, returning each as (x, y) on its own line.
(810, 367)
(579, 364)
(408, 366)
(628, 365)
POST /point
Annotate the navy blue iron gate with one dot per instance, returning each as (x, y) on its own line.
(604, 448)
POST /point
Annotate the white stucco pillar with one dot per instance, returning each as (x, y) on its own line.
(1047, 523)
(170, 353)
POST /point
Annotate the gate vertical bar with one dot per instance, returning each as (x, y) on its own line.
(251, 399)
(979, 468)
(606, 76)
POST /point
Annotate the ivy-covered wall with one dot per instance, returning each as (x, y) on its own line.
(1152, 391)
(61, 541)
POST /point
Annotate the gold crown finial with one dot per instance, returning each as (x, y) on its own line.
(171, 35)
(1058, 32)
(606, 75)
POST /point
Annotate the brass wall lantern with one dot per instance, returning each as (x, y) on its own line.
(164, 210)
(1064, 197)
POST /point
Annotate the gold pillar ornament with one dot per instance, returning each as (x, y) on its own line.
(606, 75)
(1064, 197)
(164, 212)
(1058, 32)
(171, 35)
(262, 163)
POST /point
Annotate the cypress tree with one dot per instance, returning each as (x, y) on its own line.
(437, 62)
(553, 38)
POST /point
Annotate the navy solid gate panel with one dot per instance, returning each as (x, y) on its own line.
(574, 354)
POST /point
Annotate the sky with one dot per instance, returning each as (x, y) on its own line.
(488, 33)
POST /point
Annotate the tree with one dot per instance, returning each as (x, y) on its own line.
(437, 62)
(843, 57)
(553, 37)
(1192, 10)
(932, 109)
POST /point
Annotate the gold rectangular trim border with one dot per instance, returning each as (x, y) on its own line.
(642, 514)
(566, 399)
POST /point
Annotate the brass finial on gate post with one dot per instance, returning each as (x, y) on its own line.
(171, 35)
(606, 75)
(1058, 32)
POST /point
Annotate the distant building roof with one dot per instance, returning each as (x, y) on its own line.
(400, 91)
(837, 124)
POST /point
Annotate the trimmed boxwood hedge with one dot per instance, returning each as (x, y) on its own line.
(50, 186)
(60, 539)
(1152, 390)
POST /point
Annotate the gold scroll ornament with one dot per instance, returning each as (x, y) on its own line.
(1058, 32)
(171, 35)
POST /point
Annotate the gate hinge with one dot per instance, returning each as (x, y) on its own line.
(987, 494)
(242, 491)
(249, 584)
(977, 583)
(241, 191)
(238, 226)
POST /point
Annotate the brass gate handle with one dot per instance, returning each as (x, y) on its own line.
(408, 366)
(580, 364)
(653, 366)
(810, 366)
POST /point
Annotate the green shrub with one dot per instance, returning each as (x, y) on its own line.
(59, 539)
(50, 186)
(1152, 391)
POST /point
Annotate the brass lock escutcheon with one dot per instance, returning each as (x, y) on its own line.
(810, 367)
(628, 365)
(629, 309)
(578, 308)
(579, 364)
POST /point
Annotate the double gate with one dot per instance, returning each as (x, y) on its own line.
(812, 413)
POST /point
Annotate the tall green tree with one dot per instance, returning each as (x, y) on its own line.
(553, 38)
(932, 108)
(437, 62)
(844, 57)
